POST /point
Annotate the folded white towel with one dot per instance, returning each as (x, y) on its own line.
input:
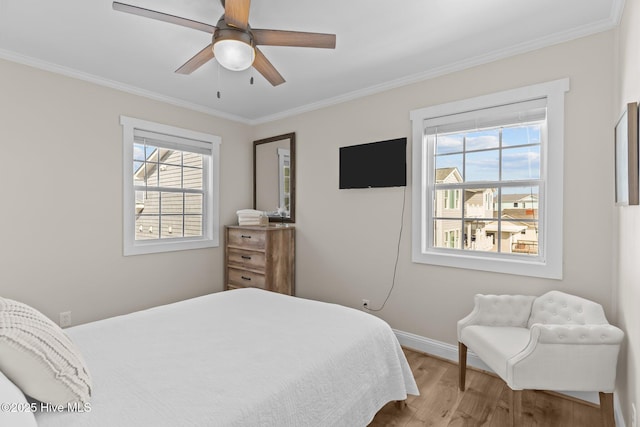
(249, 216)
(250, 213)
(253, 218)
(252, 222)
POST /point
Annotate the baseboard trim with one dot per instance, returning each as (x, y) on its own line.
(617, 411)
(438, 348)
(450, 352)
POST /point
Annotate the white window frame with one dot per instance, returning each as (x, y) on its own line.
(548, 264)
(211, 171)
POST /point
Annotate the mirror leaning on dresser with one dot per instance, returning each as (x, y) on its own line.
(274, 177)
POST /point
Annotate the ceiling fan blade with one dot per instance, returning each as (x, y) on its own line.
(236, 13)
(198, 60)
(293, 38)
(147, 13)
(264, 67)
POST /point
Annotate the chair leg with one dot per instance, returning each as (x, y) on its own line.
(606, 410)
(515, 407)
(462, 364)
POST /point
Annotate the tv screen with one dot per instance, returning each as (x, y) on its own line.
(374, 165)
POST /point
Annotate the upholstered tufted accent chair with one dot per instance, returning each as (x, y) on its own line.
(553, 342)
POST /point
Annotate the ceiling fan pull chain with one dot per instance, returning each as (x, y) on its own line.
(235, 43)
(218, 81)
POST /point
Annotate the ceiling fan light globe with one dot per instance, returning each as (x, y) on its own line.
(234, 55)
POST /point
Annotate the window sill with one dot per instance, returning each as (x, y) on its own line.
(520, 266)
(153, 247)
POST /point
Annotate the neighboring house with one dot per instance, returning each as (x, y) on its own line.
(478, 203)
(481, 228)
(519, 201)
(516, 236)
(166, 214)
(519, 236)
(447, 232)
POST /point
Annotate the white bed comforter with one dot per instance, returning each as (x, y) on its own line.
(239, 358)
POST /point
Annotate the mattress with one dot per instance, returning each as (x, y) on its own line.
(245, 357)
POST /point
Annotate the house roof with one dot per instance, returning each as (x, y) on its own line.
(519, 213)
(474, 197)
(511, 198)
(139, 173)
(443, 173)
(506, 227)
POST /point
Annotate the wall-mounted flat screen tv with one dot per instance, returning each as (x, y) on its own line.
(374, 165)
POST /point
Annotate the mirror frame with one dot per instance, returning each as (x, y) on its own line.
(292, 173)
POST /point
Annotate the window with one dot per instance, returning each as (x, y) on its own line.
(170, 188)
(490, 169)
(284, 179)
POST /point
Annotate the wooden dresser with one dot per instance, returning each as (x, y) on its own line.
(260, 257)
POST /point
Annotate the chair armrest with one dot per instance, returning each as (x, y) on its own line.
(576, 334)
(567, 357)
(498, 310)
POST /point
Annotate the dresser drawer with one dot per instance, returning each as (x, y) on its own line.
(249, 239)
(246, 278)
(246, 259)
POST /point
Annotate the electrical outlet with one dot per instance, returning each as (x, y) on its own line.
(365, 304)
(634, 418)
(65, 319)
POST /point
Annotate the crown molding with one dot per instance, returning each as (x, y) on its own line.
(101, 81)
(616, 11)
(542, 42)
(603, 25)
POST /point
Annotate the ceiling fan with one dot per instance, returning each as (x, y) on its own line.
(234, 42)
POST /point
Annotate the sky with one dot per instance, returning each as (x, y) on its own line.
(520, 153)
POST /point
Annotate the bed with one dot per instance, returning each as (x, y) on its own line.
(245, 357)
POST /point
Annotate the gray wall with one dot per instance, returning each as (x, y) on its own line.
(626, 242)
(347, 239)
(62, 190)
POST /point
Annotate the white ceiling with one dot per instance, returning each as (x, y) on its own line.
(380, 44)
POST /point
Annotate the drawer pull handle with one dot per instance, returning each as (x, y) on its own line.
(244, 236)
(245, 278)
(246, 257)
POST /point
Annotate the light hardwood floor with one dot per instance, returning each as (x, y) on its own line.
(485, 401)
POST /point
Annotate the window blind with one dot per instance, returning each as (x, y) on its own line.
(503, 115)
(171, 142)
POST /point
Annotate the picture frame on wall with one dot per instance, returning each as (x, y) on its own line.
(626, 157)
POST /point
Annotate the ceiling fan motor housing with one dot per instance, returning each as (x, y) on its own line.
(234, 44)
(227, 32)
